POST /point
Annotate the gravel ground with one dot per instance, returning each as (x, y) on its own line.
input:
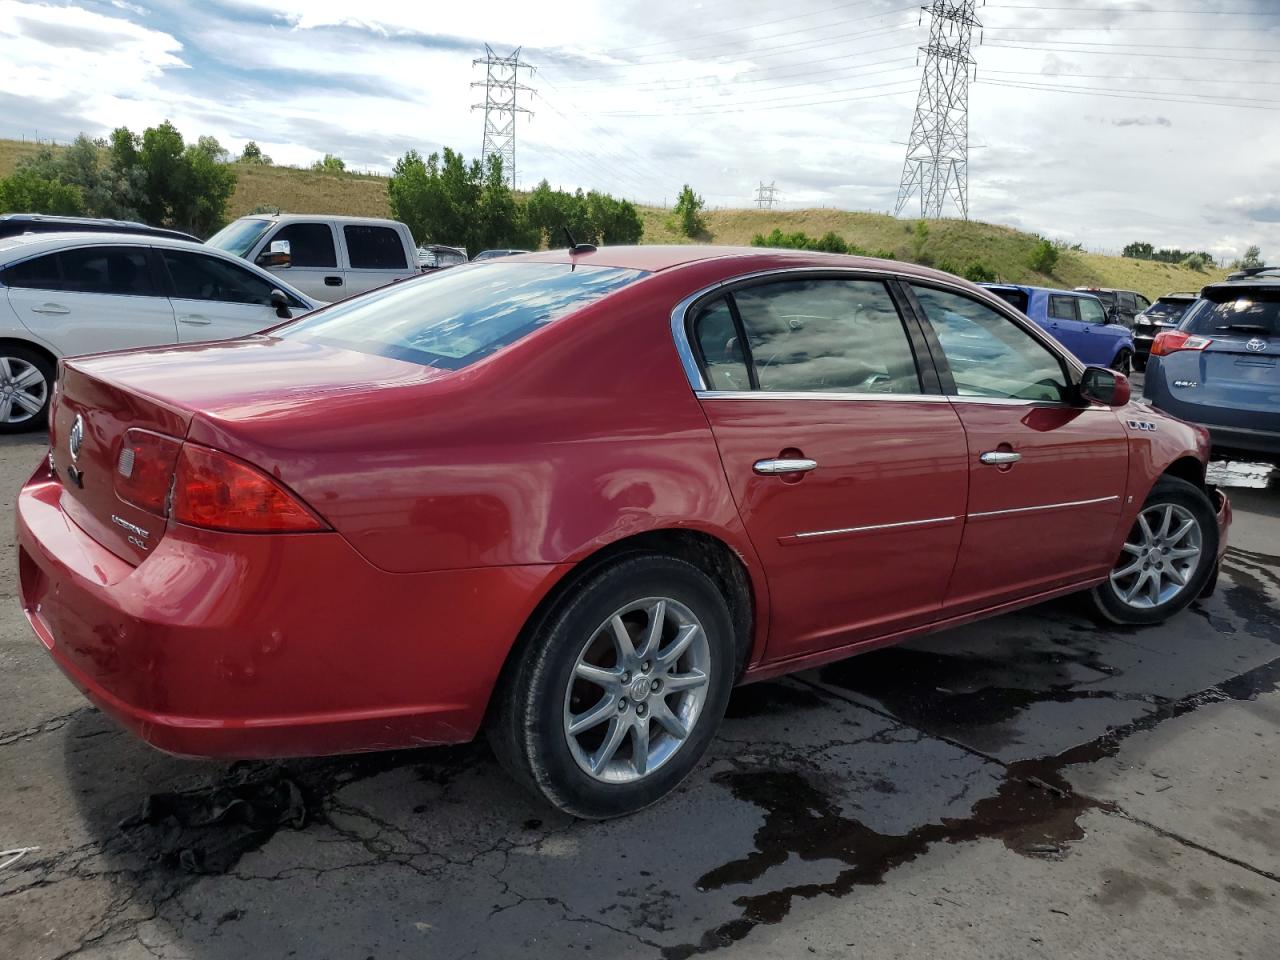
(1032, 786)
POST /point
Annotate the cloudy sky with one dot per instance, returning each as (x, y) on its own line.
(1100, 121)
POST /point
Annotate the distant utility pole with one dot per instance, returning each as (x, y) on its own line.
(766, 197)
(501, 85)
(937, 164)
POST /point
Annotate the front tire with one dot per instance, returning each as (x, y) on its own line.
(26, 384)
(1167, 558)
(616, 697)
(1123, 363)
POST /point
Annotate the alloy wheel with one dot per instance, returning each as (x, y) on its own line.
(637, 690)
(23, 390)
(1159, 558)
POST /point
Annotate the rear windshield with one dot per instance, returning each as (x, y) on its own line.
(455, 317)
(1168, 309)
(1012, 296)
(1227, 311)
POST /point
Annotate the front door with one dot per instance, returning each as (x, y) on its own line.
(216, 299)
(1046, 474)
(849, 476)
(313, 259)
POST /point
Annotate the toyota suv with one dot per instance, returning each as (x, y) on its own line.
(1221, 367)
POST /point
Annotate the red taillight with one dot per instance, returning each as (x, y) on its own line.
(1171, 341)
(144, 470)
(217, 491)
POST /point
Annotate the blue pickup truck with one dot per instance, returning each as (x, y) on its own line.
(1076, 320)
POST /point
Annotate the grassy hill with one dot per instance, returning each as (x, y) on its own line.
(957, 242)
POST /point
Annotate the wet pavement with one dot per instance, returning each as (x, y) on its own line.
(1031, 786)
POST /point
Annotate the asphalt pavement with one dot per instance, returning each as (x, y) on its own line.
(1031, 786)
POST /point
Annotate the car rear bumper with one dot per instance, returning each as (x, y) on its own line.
(239, 645)
(1244, 441)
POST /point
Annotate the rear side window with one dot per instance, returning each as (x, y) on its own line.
(826, 336)
(455, 317)
(374, 248)
(38, 273)
(1063, 308)
(119, 271)
(199, 277)
(722, 355)
(1235, 313)
(310, 244)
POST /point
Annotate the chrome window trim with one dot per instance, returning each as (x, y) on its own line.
(688, 360)
(842, 531)
(801, 395)
(1045, 506)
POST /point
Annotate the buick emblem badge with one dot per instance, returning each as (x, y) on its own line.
(76, 437)
(1256, 345)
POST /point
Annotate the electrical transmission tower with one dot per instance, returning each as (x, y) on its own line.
(501, 86)
(937, 164)
(766, 197)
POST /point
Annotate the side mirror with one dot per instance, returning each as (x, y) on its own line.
(281, 303)
(276, 255)
(1100, 385)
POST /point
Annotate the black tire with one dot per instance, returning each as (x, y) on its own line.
(1123, 362)
(1106, 596)
(1140, 363)
(27, 358)
(527, 726)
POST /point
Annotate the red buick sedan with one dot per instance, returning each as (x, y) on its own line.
(572, 498)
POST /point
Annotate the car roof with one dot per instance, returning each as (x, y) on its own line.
(1026, 288)
(26, 244)
(337, 218)
(659, 257)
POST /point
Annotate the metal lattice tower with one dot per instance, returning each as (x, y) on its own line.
(937, 164)
(501, 86)
(766, 197)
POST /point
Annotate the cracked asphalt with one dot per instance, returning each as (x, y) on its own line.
(1032, 786)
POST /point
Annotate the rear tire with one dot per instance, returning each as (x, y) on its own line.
(1167, 559)
(600, 714)
(26, 386)
(1123, 362)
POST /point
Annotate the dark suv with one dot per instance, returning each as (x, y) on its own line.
(1122, 305)
(14, 224)
(1221, 367)
(1165, 314)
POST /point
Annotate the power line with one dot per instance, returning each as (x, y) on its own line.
(1119, 53)
(1122, 76)
(1226, 13)
(937, 164)
(791, 106)
(1144, 46)
(682, 83)
(501, 85)
(1172, 93)
(1016, 85)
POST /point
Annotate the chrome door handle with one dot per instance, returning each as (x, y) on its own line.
(54, 308)
(195, 320)
(998, 457)
(771, 468)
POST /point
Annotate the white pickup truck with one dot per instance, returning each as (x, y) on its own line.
(326, 257)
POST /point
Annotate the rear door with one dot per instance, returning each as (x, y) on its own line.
(215, 299)
(92, 298)
(847, 465)
(374, 254)
(1046, 476)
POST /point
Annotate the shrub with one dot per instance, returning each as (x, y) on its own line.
(688, 211)
(330, 164)
(980, 273)
(1043, 258)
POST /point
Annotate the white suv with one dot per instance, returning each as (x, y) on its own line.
(65, 294)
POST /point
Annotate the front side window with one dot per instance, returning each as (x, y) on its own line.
(989, 355)
(310, 244)
(118, 271)
(197, 277)
(452, 318)
(1091, 311)
(1128, 303)
(826, 336)
(38, 273)
(1063, 308)
(374, 248)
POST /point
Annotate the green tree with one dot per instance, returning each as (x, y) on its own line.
(1043, 257)
(979, 273)
(688, 212)
(330, 164)
(1252, 257)
(252, 153)
(1138, 251)
(26, 191)
(1197, 261)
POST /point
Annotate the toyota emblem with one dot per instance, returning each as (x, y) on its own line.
(76, 437)
(1256, 345)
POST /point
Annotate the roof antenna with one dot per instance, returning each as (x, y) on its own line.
(574, 246)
